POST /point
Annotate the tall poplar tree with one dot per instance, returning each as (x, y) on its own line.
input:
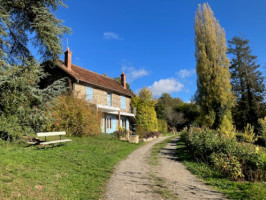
(214, 93)
(248, 84)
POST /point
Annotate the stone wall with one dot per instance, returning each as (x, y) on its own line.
(100, 97)
(80, 90)
(128, 105)
(116, 100)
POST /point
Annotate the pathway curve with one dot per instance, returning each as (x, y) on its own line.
(132, 180)
(179, 180)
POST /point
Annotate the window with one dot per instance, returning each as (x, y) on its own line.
(109, 99)
(123, 102)
(89, 93)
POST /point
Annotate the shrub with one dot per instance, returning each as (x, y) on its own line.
(146, 115)
(120, 133)
(249, 135)
(10, 129)
(152, 135)
(141, 131)
(227, 164)
(74, 115)
(262, 131)
(162, 126)
(215, 148)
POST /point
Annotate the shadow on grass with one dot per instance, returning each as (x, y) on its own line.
(233, 189)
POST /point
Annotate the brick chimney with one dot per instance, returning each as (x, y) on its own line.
(68, 55)
(123, 80)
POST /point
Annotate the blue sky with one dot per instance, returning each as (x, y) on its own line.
(153, 40)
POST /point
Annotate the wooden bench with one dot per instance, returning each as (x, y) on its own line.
(47, 134)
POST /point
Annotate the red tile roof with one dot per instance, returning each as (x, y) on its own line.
(92, 78)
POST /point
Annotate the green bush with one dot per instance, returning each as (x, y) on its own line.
(152, 135)
(262, 131)
(249, 135)
(10, 129)
(162, 126)
(206, 145)
(120, 133)
(141, 131)
(227, 164)
(74, 115)
(146, 114)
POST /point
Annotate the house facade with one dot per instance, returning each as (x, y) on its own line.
(112, 99)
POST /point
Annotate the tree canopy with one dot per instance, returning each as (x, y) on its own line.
(25, 24)
(146, 115)
(248, 84)
(214, 93)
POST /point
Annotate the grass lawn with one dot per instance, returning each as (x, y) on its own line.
(75, 170)
(233, 189)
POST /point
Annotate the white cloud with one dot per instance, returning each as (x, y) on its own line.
(111, 36)
(165, 85)
(184, 73)
(133, 74)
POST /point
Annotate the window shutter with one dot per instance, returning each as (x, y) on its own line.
(89, 93)
(127, 124)
(123, 102)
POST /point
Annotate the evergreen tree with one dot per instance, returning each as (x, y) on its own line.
(27, 23)
(213, 77)
(146, 115)
(248, 84)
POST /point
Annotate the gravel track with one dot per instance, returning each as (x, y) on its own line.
(131, 179)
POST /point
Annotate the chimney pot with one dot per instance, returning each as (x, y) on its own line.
(68, 58)
(123, 80)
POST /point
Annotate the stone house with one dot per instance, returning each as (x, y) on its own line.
(112, 99)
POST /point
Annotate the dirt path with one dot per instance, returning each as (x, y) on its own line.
(132, 178)
(179, 180)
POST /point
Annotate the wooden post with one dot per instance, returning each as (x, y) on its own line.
(118, 120)
(105, 122)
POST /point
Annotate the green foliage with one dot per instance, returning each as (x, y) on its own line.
(27, 23)
(162, 126)
(262, 130)
(233, 189)
(23, 101)
(208, 145)
(120, 133)
(10, 128)
(146, 115)
(227, 164)
(74, 115)
(191, 113)
(248, 84)
(177, 113)
(141, 131)
(213, 77)
(249, 135)
(165, 108)
(24, 24)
